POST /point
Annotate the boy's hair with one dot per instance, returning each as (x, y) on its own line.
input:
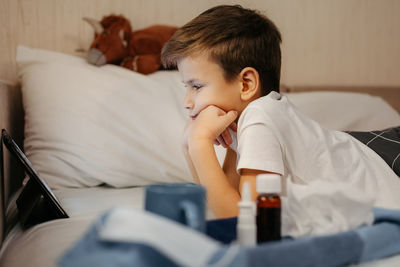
(234, 38)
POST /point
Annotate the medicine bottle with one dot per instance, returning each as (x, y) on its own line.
(268, 207)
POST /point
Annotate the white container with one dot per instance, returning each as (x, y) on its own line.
(246, 225)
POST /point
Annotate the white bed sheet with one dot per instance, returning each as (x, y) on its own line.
(42, 245)
(94, 201)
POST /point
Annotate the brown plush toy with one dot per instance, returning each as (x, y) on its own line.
(114, 42)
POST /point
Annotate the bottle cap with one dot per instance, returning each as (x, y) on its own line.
(269, 183)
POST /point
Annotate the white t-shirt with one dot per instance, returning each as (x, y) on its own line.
(274, 136)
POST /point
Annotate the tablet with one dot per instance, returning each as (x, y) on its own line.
(36, 202)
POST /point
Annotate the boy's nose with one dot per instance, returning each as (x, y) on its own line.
(188, 102)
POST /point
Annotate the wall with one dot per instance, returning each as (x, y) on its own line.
(341, 42)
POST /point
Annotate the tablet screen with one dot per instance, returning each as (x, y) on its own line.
(33, 175)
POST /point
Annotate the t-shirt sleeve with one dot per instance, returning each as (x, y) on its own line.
(258, 146)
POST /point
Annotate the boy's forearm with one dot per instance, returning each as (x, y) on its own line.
(190, 164)
(222, 196)
(229, 168)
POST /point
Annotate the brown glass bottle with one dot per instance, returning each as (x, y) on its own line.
(268, 217)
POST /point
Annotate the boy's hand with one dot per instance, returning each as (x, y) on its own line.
(225, 138)
(211, 125)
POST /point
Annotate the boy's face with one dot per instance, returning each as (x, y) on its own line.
(206, 86)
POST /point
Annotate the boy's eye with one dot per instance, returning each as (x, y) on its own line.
(197, 86)
(194, 86)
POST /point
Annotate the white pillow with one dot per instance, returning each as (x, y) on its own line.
(88, 125)
(346, 111)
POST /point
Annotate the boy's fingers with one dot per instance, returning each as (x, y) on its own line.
(231, 115)
(221, 141)
(233, 127)
(227, 137)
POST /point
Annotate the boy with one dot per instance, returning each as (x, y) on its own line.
(230, 59)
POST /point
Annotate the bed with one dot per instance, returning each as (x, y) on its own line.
(98, 136)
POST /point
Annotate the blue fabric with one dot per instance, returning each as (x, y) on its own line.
(331, 250)
(382, 239)
(223, 230)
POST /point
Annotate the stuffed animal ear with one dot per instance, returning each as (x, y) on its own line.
(96, 25)
(144, 64)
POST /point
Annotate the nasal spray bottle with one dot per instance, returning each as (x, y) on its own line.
(246, 224)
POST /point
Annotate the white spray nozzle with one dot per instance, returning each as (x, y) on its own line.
(246, 204)
(246, 195)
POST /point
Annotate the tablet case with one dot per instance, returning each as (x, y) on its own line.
(36, 202)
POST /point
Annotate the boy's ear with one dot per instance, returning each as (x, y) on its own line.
(250, 83)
